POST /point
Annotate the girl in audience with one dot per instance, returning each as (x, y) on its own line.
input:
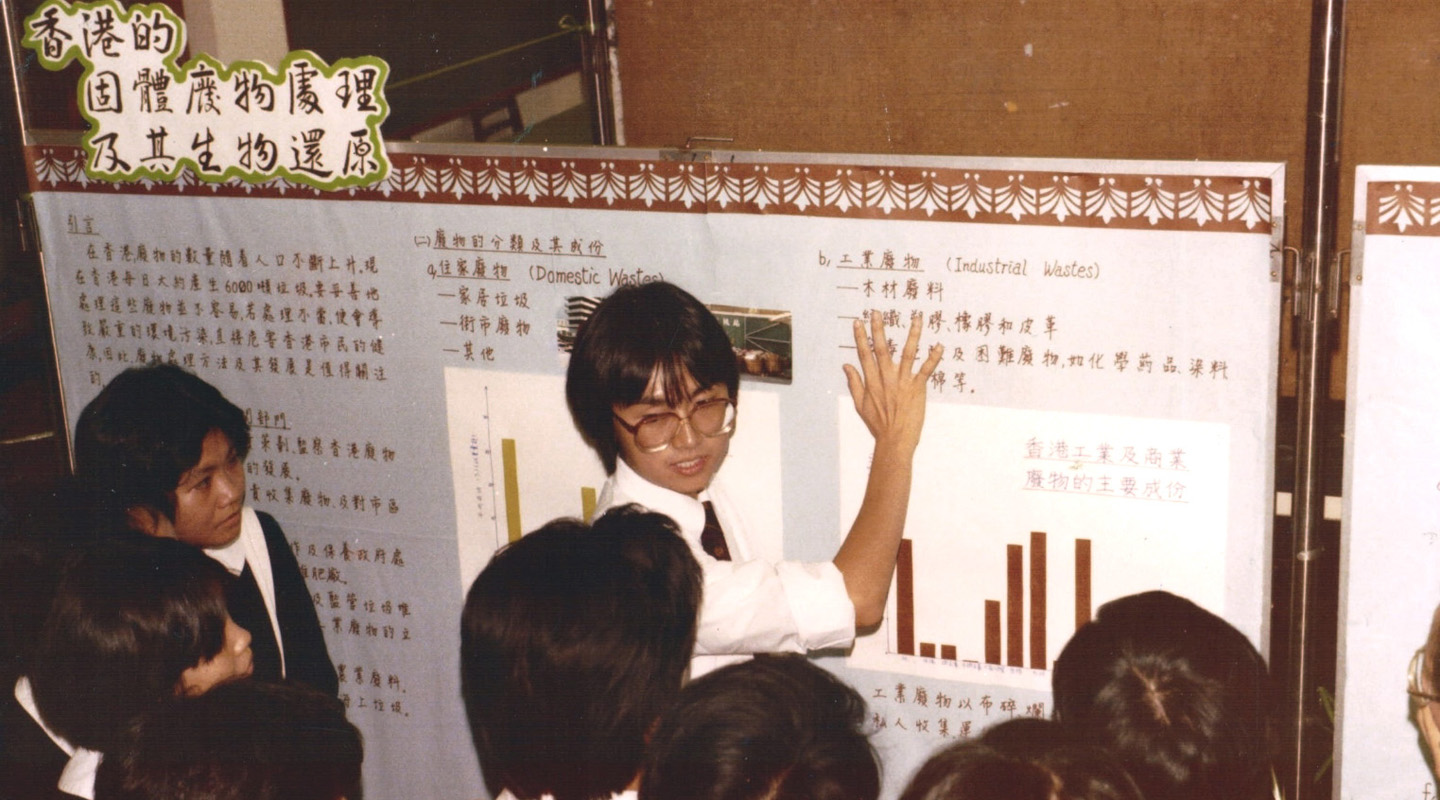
(135, 622)
(775, 728)
(573, 641)
(1178, 694)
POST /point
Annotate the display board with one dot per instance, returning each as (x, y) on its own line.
(1102, 422)
(1390, 554)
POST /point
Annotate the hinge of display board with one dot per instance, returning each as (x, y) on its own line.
(689, 153)
(26, 228)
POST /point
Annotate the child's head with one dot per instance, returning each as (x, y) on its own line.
(573, 640)
(1176, 692)
(136, 620)
(1022, 759)
(246, 740)
(163, 451)
(649, 350)
(773, 728)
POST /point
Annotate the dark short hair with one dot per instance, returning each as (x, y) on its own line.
(130, 615)
(243, 740)
(773, 728)
(635, 333)
(144, 430)
(1180, 695)
(1022, 759)
(573, 640)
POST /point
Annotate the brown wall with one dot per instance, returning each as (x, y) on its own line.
(1217, 80)
(1392, 87)
(1391, 108)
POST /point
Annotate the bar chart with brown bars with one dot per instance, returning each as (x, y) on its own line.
(1022, 523)
(1015, 625)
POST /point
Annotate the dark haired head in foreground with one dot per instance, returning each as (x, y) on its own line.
(1180, 695)
(572, 642)
(135, 621)
(1023, 759)
(246, 740)
(774, 728)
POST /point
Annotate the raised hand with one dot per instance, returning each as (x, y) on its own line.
(889, 395)
(890, 398)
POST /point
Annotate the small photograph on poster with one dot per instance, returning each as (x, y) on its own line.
(761, 337)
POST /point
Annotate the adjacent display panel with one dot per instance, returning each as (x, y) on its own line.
(1390, 568)
(1102, 421)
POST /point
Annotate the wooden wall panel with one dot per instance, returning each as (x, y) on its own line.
(1391, 107)
(1219, 80)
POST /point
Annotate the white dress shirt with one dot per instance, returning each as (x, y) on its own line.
(750, 605)
(249, 548)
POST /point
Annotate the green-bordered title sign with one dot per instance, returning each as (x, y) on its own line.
(307, 121)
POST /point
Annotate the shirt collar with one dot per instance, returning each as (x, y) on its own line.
(25, 696)
(232, 556)
(688, 512)
(78, 777)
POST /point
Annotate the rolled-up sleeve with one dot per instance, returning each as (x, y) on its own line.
(750, 605)
(759, 607)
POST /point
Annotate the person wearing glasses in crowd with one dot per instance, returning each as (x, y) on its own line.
(653, 386)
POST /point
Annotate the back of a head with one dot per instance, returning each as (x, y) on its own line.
(246, 740)
(1023, 759)
(635, 332)
(1180, 695)
(143, 430)
(573, 640)
(129, 616)
(773, 728)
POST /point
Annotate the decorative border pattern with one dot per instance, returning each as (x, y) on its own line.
(1221, 204)
(1402, 207)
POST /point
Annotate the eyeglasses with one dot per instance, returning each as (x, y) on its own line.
(710, 418)
(1416, 672)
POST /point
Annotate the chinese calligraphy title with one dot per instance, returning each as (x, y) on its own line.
(309, 122)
